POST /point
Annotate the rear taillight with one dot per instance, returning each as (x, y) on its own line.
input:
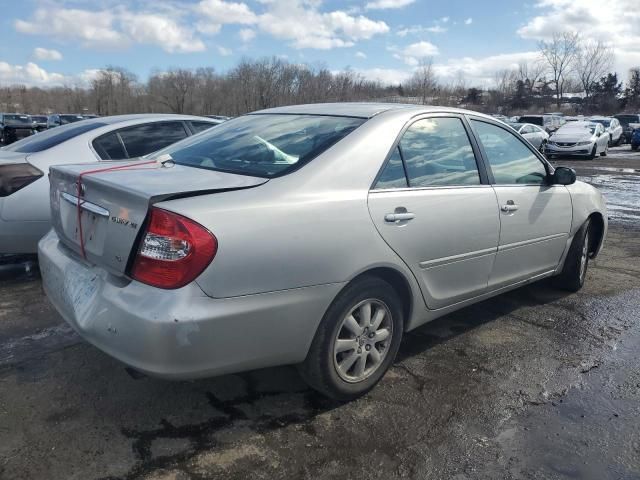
(173, 252)
(16, 176)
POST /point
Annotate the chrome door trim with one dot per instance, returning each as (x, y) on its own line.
(457, 258)
(524, 243)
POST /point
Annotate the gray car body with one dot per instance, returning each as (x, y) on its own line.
(289, 245)
(24, 215)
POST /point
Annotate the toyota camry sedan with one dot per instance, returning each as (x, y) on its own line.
(24, 186)
(314, 235)
(535, 135)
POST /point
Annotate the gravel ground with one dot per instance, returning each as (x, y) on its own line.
(533, 384)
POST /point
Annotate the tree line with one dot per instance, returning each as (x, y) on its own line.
(565, 64)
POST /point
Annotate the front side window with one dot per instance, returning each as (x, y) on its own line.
(510, 160)
(264, 145)
(150, 137)
(437, 152)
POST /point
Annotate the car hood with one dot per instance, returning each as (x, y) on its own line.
(571, 137)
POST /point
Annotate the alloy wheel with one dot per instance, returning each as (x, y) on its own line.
(362, 341)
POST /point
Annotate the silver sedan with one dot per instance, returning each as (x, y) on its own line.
(535, 135)
(313, 235)
(24, 165)
(585, 139)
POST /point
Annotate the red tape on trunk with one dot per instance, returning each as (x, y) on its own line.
(131, 166)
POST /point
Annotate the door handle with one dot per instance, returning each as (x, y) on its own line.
(510, 206)
(399, 217)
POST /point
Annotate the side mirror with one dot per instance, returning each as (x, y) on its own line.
(564, 176)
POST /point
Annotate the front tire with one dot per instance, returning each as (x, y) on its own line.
(576, 264)
(594, 152)
(605, 151)
(356, 341)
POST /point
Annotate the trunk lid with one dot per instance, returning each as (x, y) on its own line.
(115, 203)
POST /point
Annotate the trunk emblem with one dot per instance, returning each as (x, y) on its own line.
(124, 222)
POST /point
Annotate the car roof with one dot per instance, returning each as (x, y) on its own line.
(144, 116)
(580, 124)
(363, 109)
(600, 118)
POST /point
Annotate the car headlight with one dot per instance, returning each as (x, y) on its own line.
(583, 143)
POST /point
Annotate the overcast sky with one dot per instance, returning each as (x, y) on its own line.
(50, 42)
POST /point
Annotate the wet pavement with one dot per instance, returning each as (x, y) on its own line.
(533, 384)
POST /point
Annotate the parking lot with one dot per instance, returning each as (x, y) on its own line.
(533, 384)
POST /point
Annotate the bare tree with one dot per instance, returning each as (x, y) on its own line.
(423, 81)
(560, 54)
(593, 60)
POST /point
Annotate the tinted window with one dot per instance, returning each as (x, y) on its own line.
(51, 138)
(436, 151)
(109, 147)
(263, 145)
(534, 120)
(66, 119)
(198, 127)
(511, 161)
(147, 138)
(18, 119)
(392, 175)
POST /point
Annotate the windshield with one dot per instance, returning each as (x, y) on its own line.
(606, 123)
(39, 119)
(51, 138)
(262, 145)
(21, 119)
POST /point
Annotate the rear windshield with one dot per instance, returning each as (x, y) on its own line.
(38, 118)
(53, 137)
(534, 120)
(15, 119)
(262, 145)
(66, 119)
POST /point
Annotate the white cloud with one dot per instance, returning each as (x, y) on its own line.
(444, 19)
(387, 4)
(246, 34)
(412, 54)
(218, 12)
(158, 30)
(29, 74)
(481, 71)
(225, 52)
(468, 21)
(46, 54)
(387, 76)
(306, 27)
(361, 55)
(616, 22)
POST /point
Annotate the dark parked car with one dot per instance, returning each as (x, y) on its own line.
(635, 139)
(15, 126)
(70, 118)
(40, 122)
(550, 123)
(625, 119)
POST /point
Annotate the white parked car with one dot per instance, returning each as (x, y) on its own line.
(24, 165)
(612, 127)
(535, 135)
(585, 139)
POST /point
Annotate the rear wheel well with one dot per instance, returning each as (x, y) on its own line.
(399, 283)
(597, 232)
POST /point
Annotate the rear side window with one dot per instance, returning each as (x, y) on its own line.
(143, 139)
(534, 120)
(510, 159)
(393, 175)
(437, 152)
(51, 138)
(198, 127)
(109, 147)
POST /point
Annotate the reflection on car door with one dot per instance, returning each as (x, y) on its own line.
(431, 207)
(535, 217)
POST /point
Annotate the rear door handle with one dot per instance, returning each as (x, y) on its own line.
(399, 217)
(509, 207)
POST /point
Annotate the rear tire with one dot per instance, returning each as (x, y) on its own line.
(576, 264)
(341, 362)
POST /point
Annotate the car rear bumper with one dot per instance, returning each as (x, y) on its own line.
(180, 333)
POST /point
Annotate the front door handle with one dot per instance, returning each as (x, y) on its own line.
(399, 217)
(510, 206)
